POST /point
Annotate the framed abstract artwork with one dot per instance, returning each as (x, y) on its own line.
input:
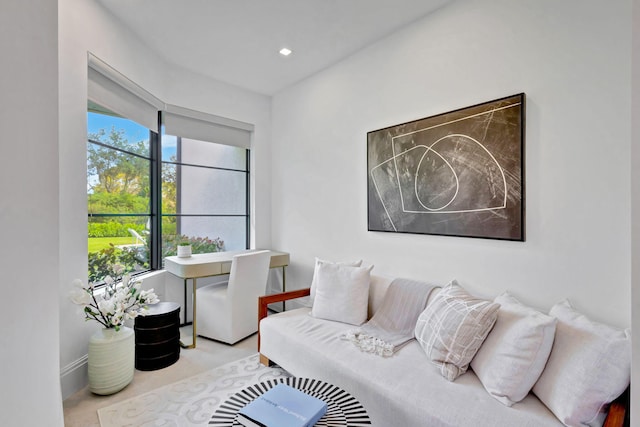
(459, 173)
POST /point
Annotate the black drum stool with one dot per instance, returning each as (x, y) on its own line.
(158, 336)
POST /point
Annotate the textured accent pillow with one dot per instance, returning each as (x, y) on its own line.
(342, 293)
(513, 355)
(314, 280)
(452, 328)
(589, 366)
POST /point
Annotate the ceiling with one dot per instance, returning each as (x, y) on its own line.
(237, 41)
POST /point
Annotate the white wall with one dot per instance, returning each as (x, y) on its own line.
(85, 27)
(577, 81)
(571, 58)
(29, 214)
(635, 214)
(197, 92)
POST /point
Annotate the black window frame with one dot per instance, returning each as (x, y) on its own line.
(155, 214)
(246, 171)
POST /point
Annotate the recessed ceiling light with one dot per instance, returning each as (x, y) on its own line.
(285, 52)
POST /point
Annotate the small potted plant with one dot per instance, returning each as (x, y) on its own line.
(184, 250)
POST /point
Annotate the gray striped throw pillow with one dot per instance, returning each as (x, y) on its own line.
(453, 327)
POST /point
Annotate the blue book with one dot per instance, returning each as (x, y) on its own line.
(282, 406)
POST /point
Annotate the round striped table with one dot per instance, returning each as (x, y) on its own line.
(342, 408)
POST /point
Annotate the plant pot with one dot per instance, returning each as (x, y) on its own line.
(184, 251)
(111, 360)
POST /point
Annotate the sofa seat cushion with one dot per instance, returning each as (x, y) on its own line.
(402, 390)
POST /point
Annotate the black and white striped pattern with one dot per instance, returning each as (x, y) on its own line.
(342, 409)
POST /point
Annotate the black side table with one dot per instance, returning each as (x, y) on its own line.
(158, 336)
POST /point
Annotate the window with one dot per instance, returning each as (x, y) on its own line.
(118, 192)
(159, 175)
(204, 195)
(202, 187)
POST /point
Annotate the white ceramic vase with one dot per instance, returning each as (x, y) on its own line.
(111, 360)
(184, 251)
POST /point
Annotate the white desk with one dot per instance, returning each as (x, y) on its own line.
(212, 264)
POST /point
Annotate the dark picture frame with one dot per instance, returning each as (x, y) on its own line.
(459, 173)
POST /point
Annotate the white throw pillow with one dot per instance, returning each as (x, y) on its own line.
(452, 328)
(314, 280)
(589, 366)
(513, 355)
(342, 293)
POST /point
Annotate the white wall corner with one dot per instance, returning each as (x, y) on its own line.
(74, 376)
(635, 216)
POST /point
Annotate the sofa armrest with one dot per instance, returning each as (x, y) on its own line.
(617, 416)
(264, 301)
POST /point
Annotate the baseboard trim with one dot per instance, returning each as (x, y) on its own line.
(74, 377)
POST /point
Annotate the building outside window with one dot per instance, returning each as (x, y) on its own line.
(204, 195)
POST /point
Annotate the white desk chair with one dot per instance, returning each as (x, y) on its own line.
(228, 311)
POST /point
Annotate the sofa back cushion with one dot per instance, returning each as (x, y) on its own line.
(342, 293)
(589, 366)
(377, 290)
(314, 280)
(516, 350)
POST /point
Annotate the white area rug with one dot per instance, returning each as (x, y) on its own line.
(189, 402)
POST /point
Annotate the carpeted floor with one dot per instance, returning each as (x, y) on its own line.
(80, 409)
(189, 402)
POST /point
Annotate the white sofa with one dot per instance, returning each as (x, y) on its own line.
(403, 390)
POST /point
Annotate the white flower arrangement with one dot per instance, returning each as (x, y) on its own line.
(120, 300)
